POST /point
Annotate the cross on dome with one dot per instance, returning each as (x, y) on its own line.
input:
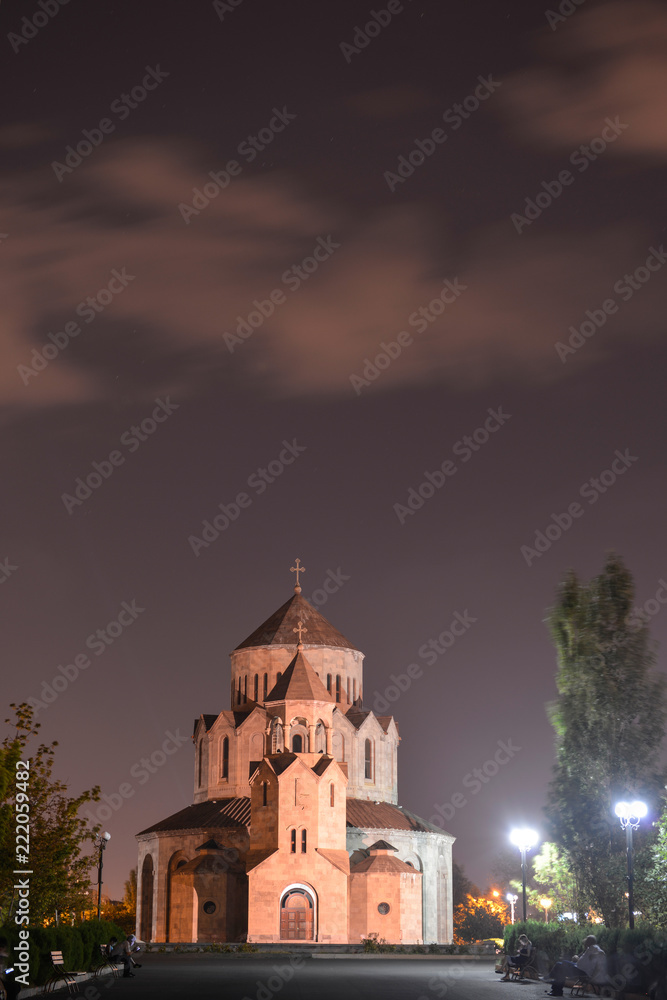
(297, 569)
(300, 628)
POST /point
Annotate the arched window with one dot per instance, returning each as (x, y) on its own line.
(265, 793)
(329, 683)
(278, 676)
(303, 841)
(354, 692)
(348, 689)
(256, 688)
(297, 743)
(293, 842)
(224, 758)
(337, 687)
(332, 794)
(238, 693)
(245, 688)
(266, 685)
(200, 763)
(368, 760)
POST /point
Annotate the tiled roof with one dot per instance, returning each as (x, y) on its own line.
(207, 815)
(281, 761)
(339, 859)
(382, 845)
(384, 816)
(382, 863)
(322, 764)
(357, 716)
(278, 630)
(299, 683)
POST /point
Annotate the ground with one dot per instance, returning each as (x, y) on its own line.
(214, 977)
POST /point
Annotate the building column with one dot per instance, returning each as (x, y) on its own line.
(311, 737)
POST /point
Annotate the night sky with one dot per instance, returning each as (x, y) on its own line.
(471, 194)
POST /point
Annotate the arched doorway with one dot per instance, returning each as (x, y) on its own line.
(176, 861)
(146, 929)
(297, 915)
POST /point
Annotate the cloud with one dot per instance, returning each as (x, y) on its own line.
(192, 283)
(605, 60)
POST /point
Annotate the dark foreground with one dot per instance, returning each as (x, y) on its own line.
(286, 977)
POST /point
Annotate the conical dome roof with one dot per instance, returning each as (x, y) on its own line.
(299, 683)
(278, 630)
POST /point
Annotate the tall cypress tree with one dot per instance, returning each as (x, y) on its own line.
(609, 720)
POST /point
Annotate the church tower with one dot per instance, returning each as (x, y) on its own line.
(295, 809)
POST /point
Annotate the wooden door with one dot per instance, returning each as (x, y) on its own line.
(296, 917)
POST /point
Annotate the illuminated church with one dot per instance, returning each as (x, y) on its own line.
(295, 832)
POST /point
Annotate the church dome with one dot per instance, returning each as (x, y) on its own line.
(279, 629)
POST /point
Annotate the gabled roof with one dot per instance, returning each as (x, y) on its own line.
(207, 815)
(382, 845)
(299, 683)
(278, 630)
(208, 722)
(384, 816)
(382, 863)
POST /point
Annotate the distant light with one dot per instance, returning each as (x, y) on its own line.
(107, 836)
(511, 897)
(524, 838)
(631, 810)
(546, 902)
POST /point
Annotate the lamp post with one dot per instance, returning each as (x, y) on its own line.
(630, 813)
(524, 839)
(101, 841)
(546, 903)
(512, 900)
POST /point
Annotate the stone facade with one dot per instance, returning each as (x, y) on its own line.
(295, 832)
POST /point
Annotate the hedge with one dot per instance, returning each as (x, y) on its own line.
(80, 945)
(635, 958)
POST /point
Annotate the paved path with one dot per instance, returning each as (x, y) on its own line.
(218, 977)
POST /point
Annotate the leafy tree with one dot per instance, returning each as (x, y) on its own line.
(59, 880)
(462, 887)
(477, 918)
(554, 877)
(609, 722)
(654, 880)
(124, 913)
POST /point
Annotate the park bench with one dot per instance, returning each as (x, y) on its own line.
(60, 973)
(105, 962)
(526, 970)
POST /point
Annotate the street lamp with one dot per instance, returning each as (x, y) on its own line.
(546, 903)
(524, 839)
(101, 841)
(630, 813)
(512, 900)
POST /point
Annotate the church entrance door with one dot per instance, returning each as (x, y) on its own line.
(296, 916)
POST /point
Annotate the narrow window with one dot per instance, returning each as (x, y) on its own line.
(332, 794)
(245, 688)
(329, 683)
(348, 689)
(297, 743)
(337, 687)
(266, 685)
(265, 793)
(224, 760)
(368, 760)
(354, 692)
(303, 841)
(278, 676)
(200, 766)
(293, 842)
(238, 693)
(256, 688)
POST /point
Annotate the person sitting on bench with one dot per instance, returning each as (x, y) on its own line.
(516, 962)
(591, 966)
